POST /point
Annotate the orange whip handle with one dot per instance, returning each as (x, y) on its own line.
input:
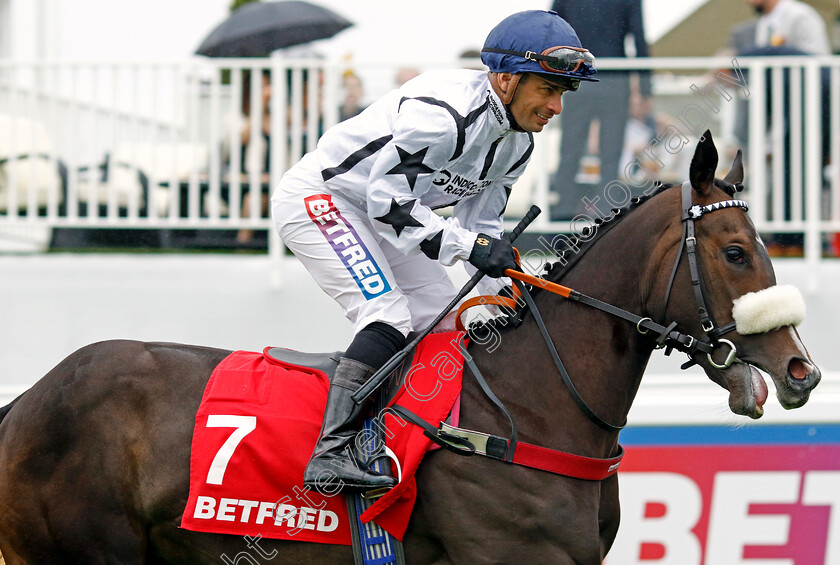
(511, 303)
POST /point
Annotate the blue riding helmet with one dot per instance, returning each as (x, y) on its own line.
(539, 41)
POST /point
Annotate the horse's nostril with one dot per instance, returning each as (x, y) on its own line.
(799, 369)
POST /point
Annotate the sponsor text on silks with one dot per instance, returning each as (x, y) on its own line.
(347, 245)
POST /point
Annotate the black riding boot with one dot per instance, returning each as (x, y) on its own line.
(333, 465)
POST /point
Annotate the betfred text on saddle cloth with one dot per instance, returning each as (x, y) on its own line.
(253, 435)
(255, 429)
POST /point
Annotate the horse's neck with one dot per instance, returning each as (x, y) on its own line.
(604, 355)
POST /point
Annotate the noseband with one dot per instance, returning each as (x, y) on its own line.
(690, 213)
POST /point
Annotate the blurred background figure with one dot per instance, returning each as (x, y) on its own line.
(471, 59)
(781, 28)
(255, 146)
(790, 23)
(405, 74)
(835, 34)
(603, 27)
(351, 104)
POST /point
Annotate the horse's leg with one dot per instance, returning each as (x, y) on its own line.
(480, 511)
(609, 513)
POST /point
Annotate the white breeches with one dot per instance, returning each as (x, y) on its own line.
(368, 277)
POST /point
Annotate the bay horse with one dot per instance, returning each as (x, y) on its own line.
(94, 458)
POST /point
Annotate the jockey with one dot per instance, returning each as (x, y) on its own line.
(358, 211)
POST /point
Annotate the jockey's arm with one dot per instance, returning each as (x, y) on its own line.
(423, 142)
(484, 213)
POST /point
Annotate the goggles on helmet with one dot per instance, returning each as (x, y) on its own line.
(570, 61)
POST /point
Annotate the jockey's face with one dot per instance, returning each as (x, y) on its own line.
(535, 102)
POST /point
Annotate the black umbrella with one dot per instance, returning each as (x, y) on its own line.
(258, 28)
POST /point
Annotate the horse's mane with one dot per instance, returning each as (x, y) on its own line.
(568, 257)
(555, 271)
(573, 249)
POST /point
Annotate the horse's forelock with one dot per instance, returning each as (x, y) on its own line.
(729, 188)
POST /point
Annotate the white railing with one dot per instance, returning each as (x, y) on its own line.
(141, 145)
(149, 144)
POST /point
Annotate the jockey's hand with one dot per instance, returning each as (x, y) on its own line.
(492, 256)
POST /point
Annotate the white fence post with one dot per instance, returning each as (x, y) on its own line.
(813, 173)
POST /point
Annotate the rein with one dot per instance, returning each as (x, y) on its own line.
(469, 442)
(510, 450)
(667, 337)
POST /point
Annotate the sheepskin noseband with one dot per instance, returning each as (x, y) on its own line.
(768, 309)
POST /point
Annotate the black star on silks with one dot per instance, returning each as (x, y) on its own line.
(399, 216)
(431, 246)
(411, 165)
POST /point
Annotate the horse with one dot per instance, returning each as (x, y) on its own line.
(94, 458)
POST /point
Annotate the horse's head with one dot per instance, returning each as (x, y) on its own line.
(736, 304)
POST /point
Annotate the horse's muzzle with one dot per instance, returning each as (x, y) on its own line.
(801, 378)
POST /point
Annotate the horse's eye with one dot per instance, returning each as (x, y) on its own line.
(735, 254)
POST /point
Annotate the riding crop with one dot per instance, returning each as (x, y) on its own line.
(382, 374)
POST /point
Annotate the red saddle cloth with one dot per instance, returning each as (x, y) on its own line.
(256, 428)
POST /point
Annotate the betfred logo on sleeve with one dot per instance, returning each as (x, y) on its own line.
(347, 245)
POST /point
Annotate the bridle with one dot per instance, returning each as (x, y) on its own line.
(511, 450)
(667, 337)
(691, 213)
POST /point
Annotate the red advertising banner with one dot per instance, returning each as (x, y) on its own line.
(766, 504)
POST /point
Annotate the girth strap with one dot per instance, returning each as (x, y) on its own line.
(468, 442)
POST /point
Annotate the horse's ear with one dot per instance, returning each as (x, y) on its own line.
(703, 165)
(735, 176)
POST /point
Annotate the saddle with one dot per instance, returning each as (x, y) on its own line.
(248, 482)
(327, 363)
(324, 362)
(371, 543)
